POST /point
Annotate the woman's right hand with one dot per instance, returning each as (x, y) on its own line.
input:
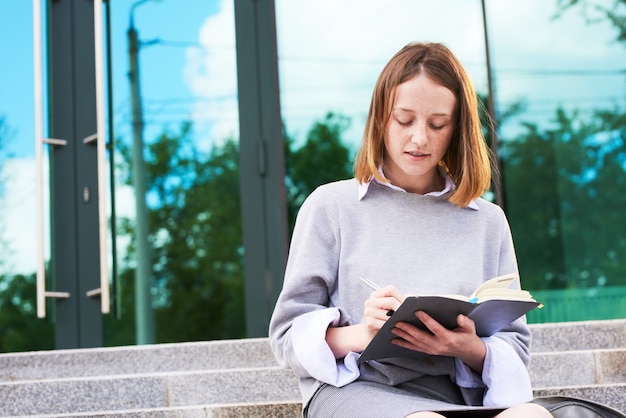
(355, 338)
(377, 308)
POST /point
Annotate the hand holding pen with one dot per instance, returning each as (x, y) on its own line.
(374, 286)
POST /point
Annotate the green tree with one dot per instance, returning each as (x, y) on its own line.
(20, 329)
(533, 207)
(195, 228)
(565, 204)
(321, 159)
(198, 264)
(195, 234)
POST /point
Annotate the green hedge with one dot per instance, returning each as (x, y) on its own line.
(579, 304)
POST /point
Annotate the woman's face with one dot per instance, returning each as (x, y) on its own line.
(418, 134)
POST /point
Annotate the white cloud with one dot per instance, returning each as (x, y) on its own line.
(541, 40)
(331, 52)
(18, 215)
(211, 74)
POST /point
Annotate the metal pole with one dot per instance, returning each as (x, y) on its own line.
(493, 126)
(144, 316)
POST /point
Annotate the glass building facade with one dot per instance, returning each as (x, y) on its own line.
(151, 185)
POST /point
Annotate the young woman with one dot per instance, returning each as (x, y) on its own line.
(413, 221)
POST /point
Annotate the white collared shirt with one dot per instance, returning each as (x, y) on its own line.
(448, 186)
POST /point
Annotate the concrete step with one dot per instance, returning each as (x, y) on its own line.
(583, 335)
(219, 378)
(583, 367)
(546, 368)
(613, 395)
(255, 352)
(148, 391)
(588, 369)
(107, 361)
(256, 410)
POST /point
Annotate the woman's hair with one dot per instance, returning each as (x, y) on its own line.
(467, 159)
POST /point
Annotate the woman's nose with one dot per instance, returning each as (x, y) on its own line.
(418, 134)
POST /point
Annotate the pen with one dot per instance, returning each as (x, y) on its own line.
(375, 287)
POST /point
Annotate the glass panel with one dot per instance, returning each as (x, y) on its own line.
(560, 93)
(20, 328)
(561, 97)
(179, 274)
(327, 76)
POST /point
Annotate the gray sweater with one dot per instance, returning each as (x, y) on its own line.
(420, 244)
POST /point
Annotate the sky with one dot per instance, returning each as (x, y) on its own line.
(330, 53)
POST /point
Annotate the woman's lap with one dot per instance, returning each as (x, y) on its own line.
(369, 399)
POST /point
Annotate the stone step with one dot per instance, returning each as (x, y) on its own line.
(241, 377)
(588, 369)
(546, 368)
(613, 395)
(583, 335)
(582, 367)
(247, 410)
(255, 352)
(107, 361)
(147, 391)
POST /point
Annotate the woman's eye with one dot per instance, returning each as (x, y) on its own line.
(437, 127)
(404, 122)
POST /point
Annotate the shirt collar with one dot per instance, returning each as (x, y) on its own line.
(448, 187)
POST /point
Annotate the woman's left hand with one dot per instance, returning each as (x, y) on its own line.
(461, 342)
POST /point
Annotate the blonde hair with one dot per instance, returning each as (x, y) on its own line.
(468, 159)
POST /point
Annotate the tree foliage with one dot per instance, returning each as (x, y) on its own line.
(195, 236)
(565, 200)
(195, 229)
(20, 329)
(321, 159)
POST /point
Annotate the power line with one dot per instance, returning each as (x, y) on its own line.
(562, 72)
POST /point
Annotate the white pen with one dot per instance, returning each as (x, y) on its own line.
(375, 287)
(370, 283)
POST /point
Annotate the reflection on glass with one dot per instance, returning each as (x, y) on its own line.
(334, 69)
(562, 88)
(180, 114)
(559, 95)
(327, 76)
(20, 329)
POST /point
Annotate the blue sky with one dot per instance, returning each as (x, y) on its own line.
(173, 70)
(330, 53)
(16, 24)
(161, 20)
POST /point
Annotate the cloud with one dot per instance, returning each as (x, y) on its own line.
(210, 72)
(18, 215)
(331, 52)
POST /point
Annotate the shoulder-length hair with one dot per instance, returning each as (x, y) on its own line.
(467, 159)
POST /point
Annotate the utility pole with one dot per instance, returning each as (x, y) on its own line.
(493, 126)
(144, 316)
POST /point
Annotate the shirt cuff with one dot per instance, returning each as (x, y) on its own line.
(505, 375)
(465, 377)
(308, 336)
